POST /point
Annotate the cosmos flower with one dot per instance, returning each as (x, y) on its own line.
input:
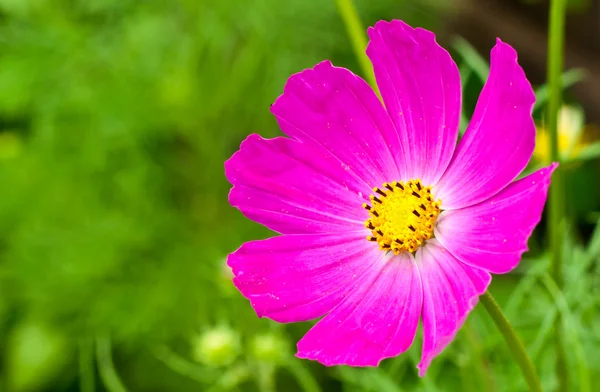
(384, 219)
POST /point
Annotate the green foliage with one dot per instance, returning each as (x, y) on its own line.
(115, 119)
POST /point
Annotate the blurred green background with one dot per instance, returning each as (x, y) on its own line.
(115, 119)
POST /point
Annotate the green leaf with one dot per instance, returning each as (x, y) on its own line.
(465, 75)
(593, 249)
(473, 59)
(590, 151)
(572, 330)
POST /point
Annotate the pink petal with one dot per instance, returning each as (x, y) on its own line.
(377, 320)
(450, 291)
(300, 277)
(499, 140)
(291, 187)
(420, 85)
(336, 111)
(493, 234)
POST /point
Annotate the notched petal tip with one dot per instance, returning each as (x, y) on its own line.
(500, 138)
(451, 289)
(401, 33)
(235, 163)
(504, 53)
(551, 167)
(235, 258)
(231, 163)
(328, 361)
(293, 278)
(377, 320)
(306, 78)
(441, 344)
(303, 79)
(505, 48)
(395, 26)
(335, 111)
(277, 183)
(420, 87)
(493, 235)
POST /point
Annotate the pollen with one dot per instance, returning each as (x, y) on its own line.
(401, 215)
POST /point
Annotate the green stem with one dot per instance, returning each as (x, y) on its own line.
(480, 366)
(357, 37)
(266, 377)
(87, 381)
(512, 340)
(305, 379)
(183, 367)
(571, 331)
(106, 368)
(556, 200)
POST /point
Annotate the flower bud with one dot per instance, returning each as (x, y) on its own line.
(268, 347)
(216, 347)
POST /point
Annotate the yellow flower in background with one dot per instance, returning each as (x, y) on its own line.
(571, 124)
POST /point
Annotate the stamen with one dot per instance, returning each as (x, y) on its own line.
(382, 193)
(402, 215)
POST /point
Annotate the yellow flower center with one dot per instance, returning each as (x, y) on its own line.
(402, 215)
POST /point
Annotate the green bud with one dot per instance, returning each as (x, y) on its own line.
(216, 347)
(268, 347)
(36, 354)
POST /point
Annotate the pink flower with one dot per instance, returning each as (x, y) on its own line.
(384, 220)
